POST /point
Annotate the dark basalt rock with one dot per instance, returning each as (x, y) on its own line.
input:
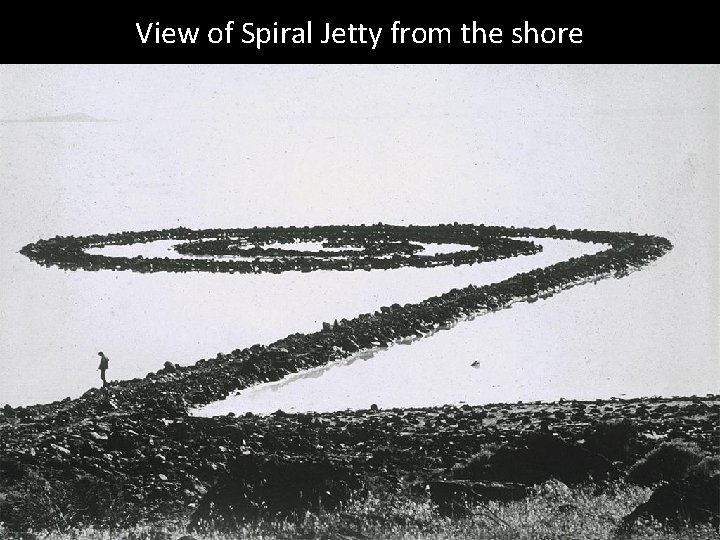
(273, 487)
(169, 367)
(611, 439)
(540, 457)
(11, 471)
(696, 499)
(669, 462)
(171, 462)
(380, 247)
(121, 441)
(456, 497)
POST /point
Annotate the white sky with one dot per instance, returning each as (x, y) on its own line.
(596, 146)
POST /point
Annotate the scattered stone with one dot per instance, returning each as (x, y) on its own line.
(169, 367)
(670, 461)
(60, 449)
(273, 487)
(456, 497)
(680, 502)
(544, 456)
(11, 470)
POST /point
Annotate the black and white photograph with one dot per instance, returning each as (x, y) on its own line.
(335, 301)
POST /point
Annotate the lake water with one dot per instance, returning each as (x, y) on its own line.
(142, 320)
(648, 333)
(588, 342)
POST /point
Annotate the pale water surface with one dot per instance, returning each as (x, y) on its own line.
(653, 332)
(583, 343)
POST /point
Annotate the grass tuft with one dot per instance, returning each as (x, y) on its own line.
(554, 512)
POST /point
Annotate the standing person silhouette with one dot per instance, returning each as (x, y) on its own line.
(103, 367)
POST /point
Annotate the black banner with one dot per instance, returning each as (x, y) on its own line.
(238, 34)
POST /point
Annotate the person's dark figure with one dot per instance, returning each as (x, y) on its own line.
(103, 367)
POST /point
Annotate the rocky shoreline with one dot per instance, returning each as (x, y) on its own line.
(134, 442)
(153, 466)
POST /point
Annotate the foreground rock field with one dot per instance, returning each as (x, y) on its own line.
(149, 467)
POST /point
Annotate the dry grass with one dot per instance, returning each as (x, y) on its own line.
(555, 512)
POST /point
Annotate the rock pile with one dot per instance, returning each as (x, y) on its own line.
(274, 487)
(146, 464)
